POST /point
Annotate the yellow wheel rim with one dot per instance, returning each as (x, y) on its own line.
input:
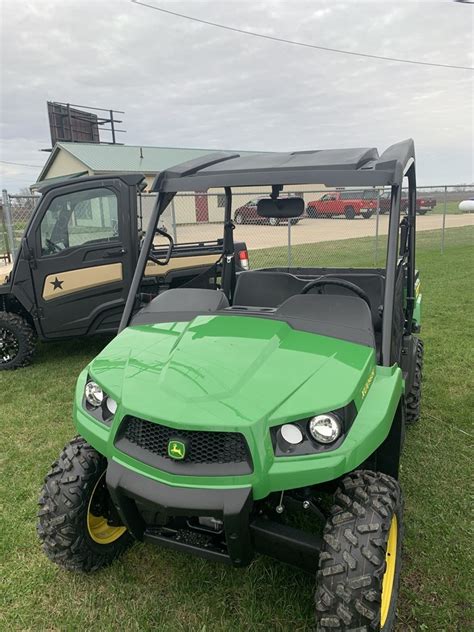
(389, 575)
(99, 530)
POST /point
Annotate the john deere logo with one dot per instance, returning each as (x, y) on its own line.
(176, 450)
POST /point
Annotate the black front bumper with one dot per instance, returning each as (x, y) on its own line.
(244, 532)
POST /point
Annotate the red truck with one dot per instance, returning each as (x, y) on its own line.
(423, 204)
(348, 203)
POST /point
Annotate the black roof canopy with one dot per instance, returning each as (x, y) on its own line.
(331, 167)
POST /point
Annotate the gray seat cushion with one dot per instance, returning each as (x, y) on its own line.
(337, 316)
(271, 289)
(265, 289)
(180, 304)
(372, 284)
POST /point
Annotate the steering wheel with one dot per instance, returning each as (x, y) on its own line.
(325, 280)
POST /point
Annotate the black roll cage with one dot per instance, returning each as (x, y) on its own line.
(350, 167)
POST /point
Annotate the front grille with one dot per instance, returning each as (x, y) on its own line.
(207, 453)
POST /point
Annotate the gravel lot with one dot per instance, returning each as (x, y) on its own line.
(313, 230)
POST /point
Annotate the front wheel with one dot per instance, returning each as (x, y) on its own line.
(421, 211)
(359, 565)
(76, 522)
(17, 341)
(349, 212)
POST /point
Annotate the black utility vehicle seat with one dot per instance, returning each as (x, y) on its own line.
(372, 284)
(180, 304)
(344, 317)
(270, 289)
(265, 289)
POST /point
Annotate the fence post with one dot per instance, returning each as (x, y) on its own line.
(173, 221)
(289, 243)
(444, 218)
(377, 215)
(8, 221)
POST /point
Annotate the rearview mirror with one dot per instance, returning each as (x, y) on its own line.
(280, 207)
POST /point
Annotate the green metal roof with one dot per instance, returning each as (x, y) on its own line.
(135, 158)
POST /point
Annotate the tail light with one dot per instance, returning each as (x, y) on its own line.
(244, 259)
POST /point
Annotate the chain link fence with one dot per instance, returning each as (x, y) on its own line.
(345, 227)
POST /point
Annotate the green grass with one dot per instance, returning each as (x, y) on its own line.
(452, 208)
(150, 589)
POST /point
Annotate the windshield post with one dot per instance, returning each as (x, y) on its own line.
(228, 262)
(159, 207)
(390, 273)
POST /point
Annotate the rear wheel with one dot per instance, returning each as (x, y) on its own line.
(349, 212)
(312, 212)
(273, 221)
(17, 341)
(413, 399)
(421, 211)
(76, 523)
(359, 566)
(367, 214)
(239, 218)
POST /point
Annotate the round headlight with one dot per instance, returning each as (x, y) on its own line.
(325, 428)
(291, 434)
(111, 405)
(94, 394)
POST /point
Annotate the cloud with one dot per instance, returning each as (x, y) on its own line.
(186, 84)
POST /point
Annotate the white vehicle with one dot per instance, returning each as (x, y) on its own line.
(467, 206)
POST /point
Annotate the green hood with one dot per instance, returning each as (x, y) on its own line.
(229, 371)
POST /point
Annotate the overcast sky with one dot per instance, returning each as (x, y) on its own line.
(186, 84)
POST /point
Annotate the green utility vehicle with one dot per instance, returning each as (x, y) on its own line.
(218, 418)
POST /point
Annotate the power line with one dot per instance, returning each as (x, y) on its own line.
(295, 43)
(21, 164)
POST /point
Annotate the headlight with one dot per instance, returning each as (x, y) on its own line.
(98, 403)
(291, 434)
(111, 405)
(325, 428)
(313, 435)
(94, 394)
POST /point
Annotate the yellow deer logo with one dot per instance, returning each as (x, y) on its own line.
(176, 450)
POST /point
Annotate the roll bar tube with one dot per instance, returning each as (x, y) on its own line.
(392, 261)
(390, 273)
(411, 247)
(228, 262)
(158, 209)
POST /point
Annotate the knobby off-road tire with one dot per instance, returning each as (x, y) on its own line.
(69, 493)
(17, 341)
(365, 524)
(413, 398)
